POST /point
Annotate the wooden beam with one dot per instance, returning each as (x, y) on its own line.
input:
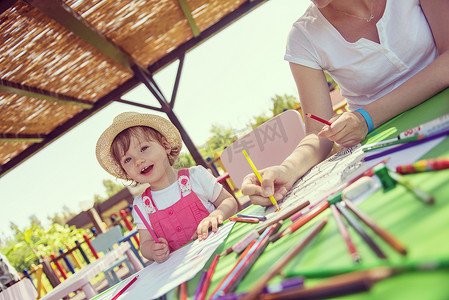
(22, 138)
(139, 105)
(28, 91)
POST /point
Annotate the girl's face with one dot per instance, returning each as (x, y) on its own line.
(146, 161)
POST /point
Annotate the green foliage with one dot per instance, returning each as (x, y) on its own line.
(28, 246)
(279, 104)
(184, 160)
(221, 138)
(112, 188)
(258, 120)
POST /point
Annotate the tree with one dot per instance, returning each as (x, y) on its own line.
(28, 246)
(279, 104)
(112, 188)
(185, 160)
(221, 138)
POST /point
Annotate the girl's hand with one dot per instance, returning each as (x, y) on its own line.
(212, 221)
(161, 252)
(347, 129)
(275, 182)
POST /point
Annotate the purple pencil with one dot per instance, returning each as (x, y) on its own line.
(407, 145)
(200, 285)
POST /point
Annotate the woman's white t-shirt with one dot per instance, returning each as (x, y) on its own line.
(203, 183)
(365, 70)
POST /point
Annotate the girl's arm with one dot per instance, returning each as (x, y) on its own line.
(158, 252)
(226, 206)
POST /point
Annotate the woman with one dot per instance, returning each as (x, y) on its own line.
(386, 55)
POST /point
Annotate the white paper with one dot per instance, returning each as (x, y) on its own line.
(157, 279)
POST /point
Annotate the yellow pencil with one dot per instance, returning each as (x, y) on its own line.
(258, 176)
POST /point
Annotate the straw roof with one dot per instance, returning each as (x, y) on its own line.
(61, 61)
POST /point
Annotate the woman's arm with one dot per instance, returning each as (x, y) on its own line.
(434, 78)
(315, 99)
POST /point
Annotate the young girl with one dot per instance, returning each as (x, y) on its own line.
(179, 204)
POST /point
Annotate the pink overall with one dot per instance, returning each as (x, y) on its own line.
(179, 222)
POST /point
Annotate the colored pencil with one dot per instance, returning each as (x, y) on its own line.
(420, 194)
(406, 145)
(384, 234)
(241, 245)
(147, 225)
(284, 214)
(359, 229)
(424, 165)
(345, 234)
(319, 119)
(200, 285)
(183, 291)
(421, 265)
(283, 261)
(203, 293)
(259, 177)
(272, 288)
(345, 284)
(377, 146)
(226, 278)
(261, 218)
(125, 288)
(247, 265)
(304, 220)
(245, 220)
(231, 278)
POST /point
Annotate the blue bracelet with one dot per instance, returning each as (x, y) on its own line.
(367, 118)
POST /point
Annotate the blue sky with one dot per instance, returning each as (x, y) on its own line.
(225, 81)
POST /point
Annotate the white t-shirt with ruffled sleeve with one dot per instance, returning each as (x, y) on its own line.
(365, 70)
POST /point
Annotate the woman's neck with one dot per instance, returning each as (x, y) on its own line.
(361, 9)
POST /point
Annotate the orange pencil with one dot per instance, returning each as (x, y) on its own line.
(246, 220)
(384, 234)
(183, 291)
(306, 218)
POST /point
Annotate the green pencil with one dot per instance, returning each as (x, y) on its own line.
(416, 265)
(391, 143)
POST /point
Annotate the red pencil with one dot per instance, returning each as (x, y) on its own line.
(209, 274)
(319, 119)
(125, 288)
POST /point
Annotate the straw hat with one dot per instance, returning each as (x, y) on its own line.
(130, 119)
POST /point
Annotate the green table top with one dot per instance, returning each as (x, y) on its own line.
(424, 229)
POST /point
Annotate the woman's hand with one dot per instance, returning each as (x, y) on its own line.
(212, 221)
(275, 182)
(160, 251)
(347, 129)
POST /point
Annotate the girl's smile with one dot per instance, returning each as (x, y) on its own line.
(147, 162)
